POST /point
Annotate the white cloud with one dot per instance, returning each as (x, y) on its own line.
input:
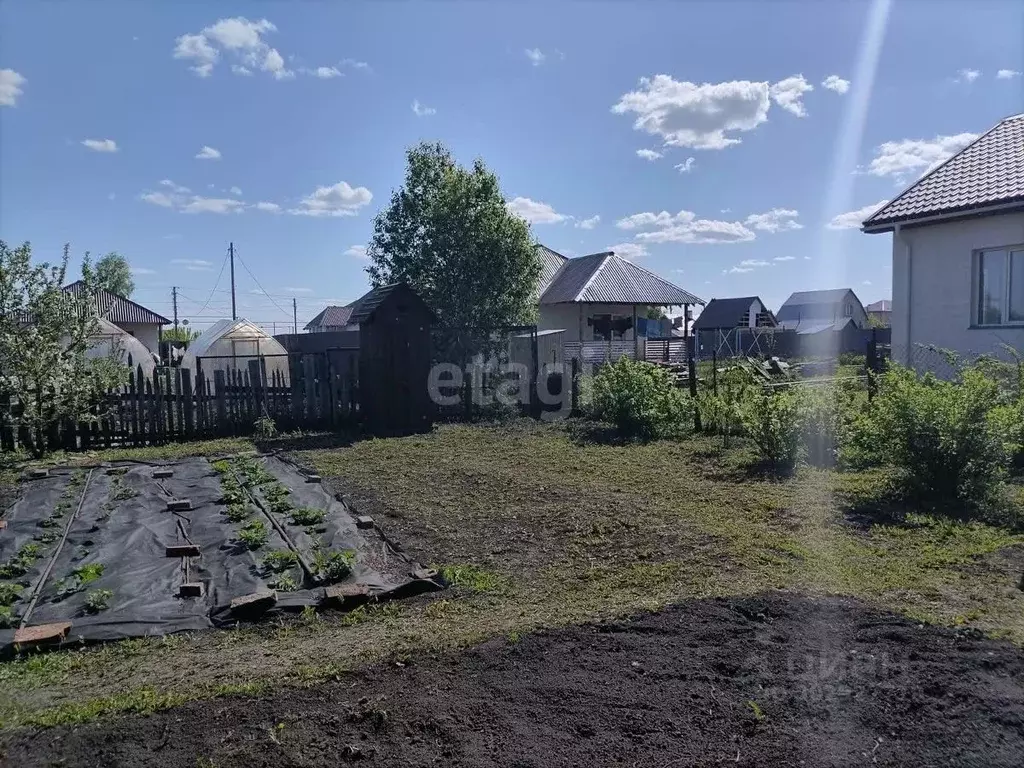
(355, 64)
(100, 145)
(866, 282)
(339, 199)
(10, 87)
(299, 290)
(142, 271)
(158, 198)
(737, 270)
(268, 207)
(789, 93)
(775, 220)
(235, 191)
(194, 265)
(590, 223)
(535, 56)
(208, 153)
(687, 165)
(238, 38)
(212, 205)
(630, 251)
(853, 219)
(836, 83)
(1002, 74)
(535, 212)
(356, 251)
(648, 154)
(698, 116)
(784, 258)
(422, 110)
(755, 263)
(324, 73)
(967, 76)
(901, 159)
(174, 187)
(685, 227)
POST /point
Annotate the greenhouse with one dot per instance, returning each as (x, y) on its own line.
(229, 346)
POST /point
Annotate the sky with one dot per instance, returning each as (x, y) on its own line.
(731, 147)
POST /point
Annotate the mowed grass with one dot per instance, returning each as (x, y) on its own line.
(536, 527)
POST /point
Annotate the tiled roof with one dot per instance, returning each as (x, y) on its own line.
(118, 309)
(988, 171)
(725, 313)
(331, 317)
(608, 279)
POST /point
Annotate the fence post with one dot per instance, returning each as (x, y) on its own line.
(188, 417)
(256, 382)
(219, 385)
(692, 370)
(714, 372)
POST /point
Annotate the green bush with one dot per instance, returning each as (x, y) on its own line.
(940, 438)
(826, 413)
(640, 399)
(772, 422)
(1007, 421)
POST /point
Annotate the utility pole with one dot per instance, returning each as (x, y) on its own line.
(231, 250)
(174, 299)
(295, 316)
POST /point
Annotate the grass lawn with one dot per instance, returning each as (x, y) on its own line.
(538, 528)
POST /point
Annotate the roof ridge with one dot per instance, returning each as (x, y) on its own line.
(607, 256)
(934, 170)
(660, 278)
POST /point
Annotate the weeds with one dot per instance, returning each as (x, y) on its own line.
(254, 534)
(8, 618)
(473, 579)
(98, 600)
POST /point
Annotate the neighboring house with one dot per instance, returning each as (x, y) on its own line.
(726, 314)
(817, 311)
(958, 250)
(603, 297)
(880, 313)
(132, 318)
(331, 319)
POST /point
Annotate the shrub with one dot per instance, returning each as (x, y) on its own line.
(640, 399)
(236, 513)
(826, 413)
(1007, 421)
(940, 438)
(254, 534)
(771, 420)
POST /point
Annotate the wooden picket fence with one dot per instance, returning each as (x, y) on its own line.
(319, 391)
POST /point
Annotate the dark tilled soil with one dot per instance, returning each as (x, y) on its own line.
(771, 681)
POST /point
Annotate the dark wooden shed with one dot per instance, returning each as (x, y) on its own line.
(394, 360)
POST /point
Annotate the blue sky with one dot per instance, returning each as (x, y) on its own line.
(166, 130)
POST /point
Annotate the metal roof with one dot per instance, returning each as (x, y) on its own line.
(364, 307)
(987, 172)
(726, 313)
(118, 309)
(550, 262)
(331, 317)
(821, 305)
(604, 278)
(882, 305)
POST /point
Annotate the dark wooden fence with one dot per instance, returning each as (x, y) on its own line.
(223, 397)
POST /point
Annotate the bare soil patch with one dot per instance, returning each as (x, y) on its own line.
(776, 680)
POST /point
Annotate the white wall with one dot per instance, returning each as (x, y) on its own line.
(147, 333)
(933, 293)
(567, 317)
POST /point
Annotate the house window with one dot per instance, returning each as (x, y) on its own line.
(848, 310)
(1000, 287)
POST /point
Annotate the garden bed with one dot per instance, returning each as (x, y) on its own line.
(135, 549)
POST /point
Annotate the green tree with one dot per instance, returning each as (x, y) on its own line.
(449, 234)
(114, 274)
(181, 334)
(45, 332)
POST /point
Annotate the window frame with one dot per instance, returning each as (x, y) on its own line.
(976, 262)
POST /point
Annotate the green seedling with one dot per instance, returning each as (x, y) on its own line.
(9, 592)
(21, 562)
(232, 497)
(236, 513)
(8, 618)
(309, 615)
(254, 534)
(756, 709)
(280, 560)
(121, 492)
(307, 516)
(46, 537)
(333, 566)
(221, 466)
(286, 583)
(80, 577)
(281, 506)
(275, 492)
(98, 600)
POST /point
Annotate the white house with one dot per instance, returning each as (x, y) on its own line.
(958, 251)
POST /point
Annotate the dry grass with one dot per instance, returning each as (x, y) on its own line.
(537, 528)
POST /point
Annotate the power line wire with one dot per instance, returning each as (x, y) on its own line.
(246, 267)
(219, 275)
